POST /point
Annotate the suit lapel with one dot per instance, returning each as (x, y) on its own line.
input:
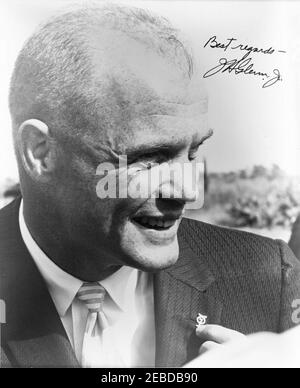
(181, 293)
(37, 337)
(34, 334)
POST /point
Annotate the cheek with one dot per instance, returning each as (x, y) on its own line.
(119, 212)
(109, 215)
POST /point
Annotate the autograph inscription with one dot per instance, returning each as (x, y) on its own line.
(243, 65)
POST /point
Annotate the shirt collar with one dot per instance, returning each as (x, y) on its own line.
(122, 286)
(63, 287)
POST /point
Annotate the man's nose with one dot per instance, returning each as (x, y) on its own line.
(183, 184)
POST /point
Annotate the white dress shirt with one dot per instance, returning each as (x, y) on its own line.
(128, 306)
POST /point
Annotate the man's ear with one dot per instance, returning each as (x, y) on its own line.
(36, 149)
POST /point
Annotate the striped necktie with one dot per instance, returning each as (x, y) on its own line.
(93, 295)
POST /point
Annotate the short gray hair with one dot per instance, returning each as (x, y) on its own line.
(53, 72)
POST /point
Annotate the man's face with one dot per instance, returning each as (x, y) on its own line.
(152, 115)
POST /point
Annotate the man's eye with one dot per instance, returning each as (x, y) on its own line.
(140, 166)
(146, 162)
(148, 159)
(148, 165)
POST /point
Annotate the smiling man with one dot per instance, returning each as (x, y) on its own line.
(120, 281)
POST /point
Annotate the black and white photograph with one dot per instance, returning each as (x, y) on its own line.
(149, 186)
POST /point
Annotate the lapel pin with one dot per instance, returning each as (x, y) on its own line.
(201, 320)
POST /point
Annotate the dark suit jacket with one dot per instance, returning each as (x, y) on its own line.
(239, 280)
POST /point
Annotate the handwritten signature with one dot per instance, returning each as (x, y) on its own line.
(243, 65)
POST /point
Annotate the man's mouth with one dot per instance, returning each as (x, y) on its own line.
(156, 223)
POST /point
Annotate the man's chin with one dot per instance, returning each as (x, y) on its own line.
(153, 258)
(150, 250)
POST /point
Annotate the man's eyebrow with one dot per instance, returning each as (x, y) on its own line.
(164, 146)
(152, 148)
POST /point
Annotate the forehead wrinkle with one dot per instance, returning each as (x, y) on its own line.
(173, 124)
(158, 107)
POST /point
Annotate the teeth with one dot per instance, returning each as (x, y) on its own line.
(154, 222)
(167, 224)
